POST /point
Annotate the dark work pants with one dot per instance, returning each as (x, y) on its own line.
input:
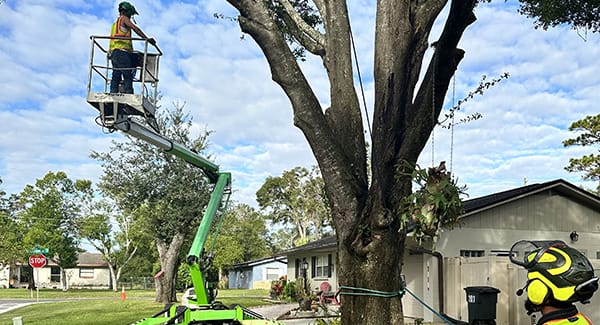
(122, 70)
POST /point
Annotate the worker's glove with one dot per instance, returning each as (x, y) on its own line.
(152, 41)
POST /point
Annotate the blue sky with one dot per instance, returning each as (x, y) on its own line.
(225, 82)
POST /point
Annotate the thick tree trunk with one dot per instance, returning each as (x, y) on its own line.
(379, 270)
(168, 253)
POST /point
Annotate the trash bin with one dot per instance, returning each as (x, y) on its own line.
(482, 305)
(18, 320)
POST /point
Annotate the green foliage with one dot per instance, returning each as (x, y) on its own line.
(551, 13)
(589, 135)
(288, 27)
(297, 198)
(166, 192)
(289, 291)
(49, 214)
(436, 203)
(116, 235)
(11, 247)
(184, 279)
(243, 237)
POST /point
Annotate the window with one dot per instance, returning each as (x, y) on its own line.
(597, 255)
(54, 274)
(272, 273)
(86, 273)
(472, 253)
(322, 266)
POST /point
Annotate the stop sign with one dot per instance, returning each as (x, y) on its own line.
(37, 261)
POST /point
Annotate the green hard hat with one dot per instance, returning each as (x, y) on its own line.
(128, 8)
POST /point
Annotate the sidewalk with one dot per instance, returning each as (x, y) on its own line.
(274, 311)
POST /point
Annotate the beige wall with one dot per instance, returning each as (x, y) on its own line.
(314, 282)
(100, 280)
(538, 217)
(499, 273)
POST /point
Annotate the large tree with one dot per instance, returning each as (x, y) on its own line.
(116, 235)
(166, 192)
(49, 214)
(296, 201)
(366, 212)
(11, 247)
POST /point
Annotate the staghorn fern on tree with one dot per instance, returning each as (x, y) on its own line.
(435, 204)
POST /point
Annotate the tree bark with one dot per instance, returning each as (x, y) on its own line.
(366, 216)
(168, 253)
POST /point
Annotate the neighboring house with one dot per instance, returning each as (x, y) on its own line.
(314, 261)
(91, 272)
(257, 274)
(475, 253)
(5, 281)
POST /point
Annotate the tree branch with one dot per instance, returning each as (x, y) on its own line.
(430, 97)
(307, 36)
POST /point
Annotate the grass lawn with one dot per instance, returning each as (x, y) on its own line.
(104, 307)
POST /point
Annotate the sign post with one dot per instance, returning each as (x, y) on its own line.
(37, 262)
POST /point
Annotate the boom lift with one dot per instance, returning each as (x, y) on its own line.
(134, 114)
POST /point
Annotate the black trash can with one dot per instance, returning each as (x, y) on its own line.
(482, 305)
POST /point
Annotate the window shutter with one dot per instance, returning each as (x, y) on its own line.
(329, 265)
(313, 266)
(297, 268)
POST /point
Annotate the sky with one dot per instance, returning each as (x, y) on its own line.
(224, 81)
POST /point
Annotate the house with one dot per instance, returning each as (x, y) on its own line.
(475, 253)
(257, 274)
(91, 272)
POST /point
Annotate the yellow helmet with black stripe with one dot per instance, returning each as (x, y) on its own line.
(557, 273)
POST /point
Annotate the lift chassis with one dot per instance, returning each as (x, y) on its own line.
(134, 114)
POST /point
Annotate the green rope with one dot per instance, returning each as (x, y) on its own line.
(371, 292)
(390, 294)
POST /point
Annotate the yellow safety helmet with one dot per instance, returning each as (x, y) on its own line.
(557, 273)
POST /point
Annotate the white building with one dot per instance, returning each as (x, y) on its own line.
(476, 252)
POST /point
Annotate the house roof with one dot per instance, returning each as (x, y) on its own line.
(87, 260)
(261, 261)
(561, 186)
(91, 259)
(483, 203)
(323, 243)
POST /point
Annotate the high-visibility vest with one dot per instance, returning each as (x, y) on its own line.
(120, 44)
(579, 319)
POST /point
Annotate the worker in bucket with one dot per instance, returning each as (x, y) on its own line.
(558, 276)
(121, 49)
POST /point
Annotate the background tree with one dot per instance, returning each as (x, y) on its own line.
(296, 199)
(11, 236)
(409, 93)
(50, 210)
(580, 14)
(589, 129)
(118, 245)
(166, 192)
(243, 237)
